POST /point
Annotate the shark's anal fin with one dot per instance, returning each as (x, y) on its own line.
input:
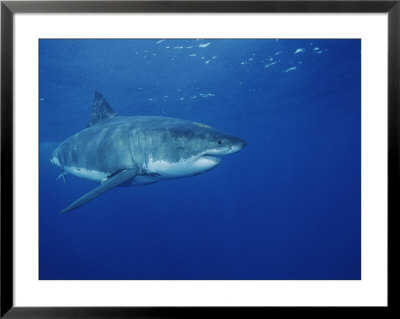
(115, 180)
(101, 110)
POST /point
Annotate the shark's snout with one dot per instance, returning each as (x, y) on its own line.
(238, 145)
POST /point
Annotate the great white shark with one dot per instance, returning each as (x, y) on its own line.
(119, 150)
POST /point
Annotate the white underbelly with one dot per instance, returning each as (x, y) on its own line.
(184, 167)
(100, 177)
(92, 175)
(161, 169)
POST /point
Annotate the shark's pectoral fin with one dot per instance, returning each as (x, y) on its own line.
(115, 180)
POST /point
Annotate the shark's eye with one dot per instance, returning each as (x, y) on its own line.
(219, 142)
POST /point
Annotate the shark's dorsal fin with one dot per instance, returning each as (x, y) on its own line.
(101, 110)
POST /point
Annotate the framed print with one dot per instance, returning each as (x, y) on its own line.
(195, 158)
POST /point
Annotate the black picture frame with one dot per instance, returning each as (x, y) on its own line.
(9, 8)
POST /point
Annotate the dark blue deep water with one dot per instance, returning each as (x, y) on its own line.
(288, 206)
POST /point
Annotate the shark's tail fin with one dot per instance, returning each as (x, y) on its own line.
(101, 110)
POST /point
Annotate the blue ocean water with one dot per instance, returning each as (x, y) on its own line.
(287, 207)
